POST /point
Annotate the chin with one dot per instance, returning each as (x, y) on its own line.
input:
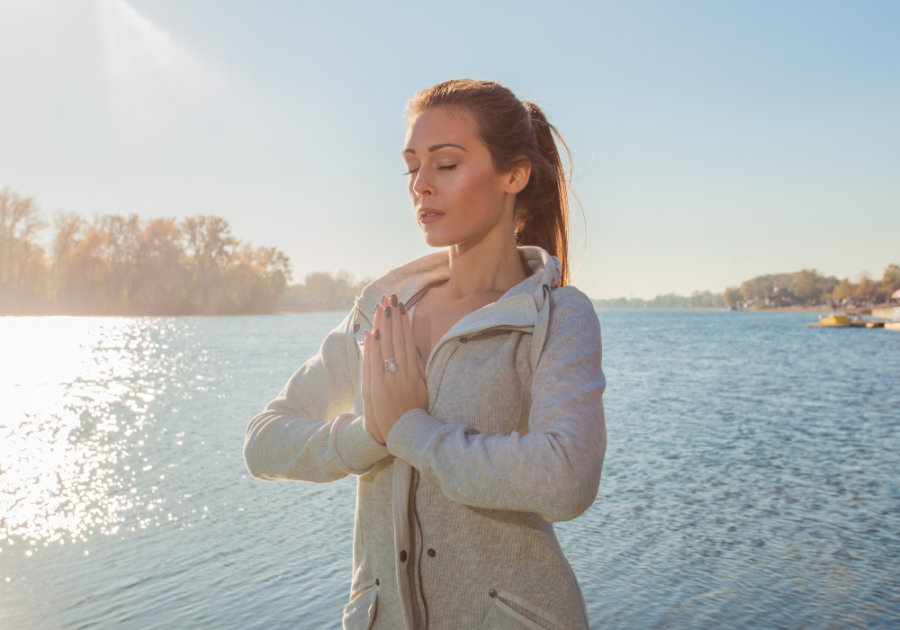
(436, 239)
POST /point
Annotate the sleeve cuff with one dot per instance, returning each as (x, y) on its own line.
(410, 435)
(356, 447)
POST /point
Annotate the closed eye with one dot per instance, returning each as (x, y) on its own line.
(449, 167)
(410, 171)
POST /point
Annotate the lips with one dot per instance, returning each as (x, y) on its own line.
(429, 215)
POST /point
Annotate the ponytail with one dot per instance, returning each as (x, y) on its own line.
(514, 131)
(546, 205)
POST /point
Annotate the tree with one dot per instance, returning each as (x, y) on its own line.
(210, 251)
(864, 289)
(732, 296)
(805, 285)
(24, 282)
(890, 281)
(844, 290)
(162, 285)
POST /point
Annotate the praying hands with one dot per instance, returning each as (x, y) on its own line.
(393, 380)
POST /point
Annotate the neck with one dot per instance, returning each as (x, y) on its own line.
(490, 263)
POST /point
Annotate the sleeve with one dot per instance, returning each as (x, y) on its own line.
(306, 433)
(553, 470)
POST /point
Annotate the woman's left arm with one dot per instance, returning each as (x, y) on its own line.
(553, 470)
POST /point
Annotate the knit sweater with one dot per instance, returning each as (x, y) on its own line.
(453, 525)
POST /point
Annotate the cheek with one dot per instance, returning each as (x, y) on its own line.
(477, 193)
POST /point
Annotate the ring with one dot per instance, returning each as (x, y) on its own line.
(389, 365)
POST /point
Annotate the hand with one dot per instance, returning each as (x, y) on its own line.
(368, 411)
(392, 393)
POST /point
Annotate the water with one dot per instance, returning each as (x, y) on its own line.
(750, 481)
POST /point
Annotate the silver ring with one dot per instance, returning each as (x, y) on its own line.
(390, 365)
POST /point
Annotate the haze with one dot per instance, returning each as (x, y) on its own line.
(713, 141)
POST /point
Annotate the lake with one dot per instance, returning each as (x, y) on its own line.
(751, 478)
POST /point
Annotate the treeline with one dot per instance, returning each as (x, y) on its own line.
(698, 299)
(323, 292)
(806, 288)
(809, 287)
(116, 265)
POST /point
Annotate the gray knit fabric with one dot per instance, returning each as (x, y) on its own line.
(454, 515)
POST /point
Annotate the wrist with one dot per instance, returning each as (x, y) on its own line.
(374, 431)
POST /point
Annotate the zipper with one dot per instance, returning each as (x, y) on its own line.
(422, 550)
(474, 334)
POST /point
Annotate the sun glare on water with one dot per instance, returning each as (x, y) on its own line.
(74, 396)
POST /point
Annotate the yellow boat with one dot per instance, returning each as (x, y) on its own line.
(832, 321)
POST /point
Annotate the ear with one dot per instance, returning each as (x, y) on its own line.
(518, 177)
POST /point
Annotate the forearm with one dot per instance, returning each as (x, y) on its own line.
(554, 472)
(281, 447)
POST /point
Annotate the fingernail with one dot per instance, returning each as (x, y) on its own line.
(420, 352)
(393, 299)
(378, 334)
(387, 312)
(383, 298)
(402, 308)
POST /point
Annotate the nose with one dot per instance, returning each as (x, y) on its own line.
(422, 185)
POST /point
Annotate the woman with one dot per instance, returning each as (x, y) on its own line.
(472, 414)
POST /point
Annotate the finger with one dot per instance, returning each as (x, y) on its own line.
(369, 419)
(398, 338)
(376, 365)
(366, 375)
(409, 344)
(365, 365)
(387, 331)
(376, 321)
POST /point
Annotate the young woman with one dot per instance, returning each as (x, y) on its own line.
(464, 389)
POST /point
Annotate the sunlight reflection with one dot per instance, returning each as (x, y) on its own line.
(75, 394)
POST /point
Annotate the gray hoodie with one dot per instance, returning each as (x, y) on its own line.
(454, 515)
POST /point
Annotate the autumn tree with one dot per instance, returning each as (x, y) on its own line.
(864, 289)
(844, 290)
(23, 276)
(117, 265)
(210, 251)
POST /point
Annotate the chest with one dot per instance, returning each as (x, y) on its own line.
(483, 381)
(433, 315)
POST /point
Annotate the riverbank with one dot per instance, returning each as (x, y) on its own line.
(850, 311)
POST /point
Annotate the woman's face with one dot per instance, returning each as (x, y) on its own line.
(456, 194)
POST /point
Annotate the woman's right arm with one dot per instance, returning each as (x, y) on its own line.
(308, 433)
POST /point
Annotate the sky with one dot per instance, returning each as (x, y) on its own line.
(713, 141)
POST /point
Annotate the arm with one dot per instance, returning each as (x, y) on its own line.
(554, 470)
(306, 433)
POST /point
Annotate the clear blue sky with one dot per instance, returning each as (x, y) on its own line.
(714, 141)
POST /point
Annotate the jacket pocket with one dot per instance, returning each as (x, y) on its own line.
(359, 614)
(509, 612)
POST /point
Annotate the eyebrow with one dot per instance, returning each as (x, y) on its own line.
(435, 147)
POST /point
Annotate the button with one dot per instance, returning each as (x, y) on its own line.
(403, 556)
(377, 583)
(356, 327)
(492, 593)
(463, 340)
(432, 553)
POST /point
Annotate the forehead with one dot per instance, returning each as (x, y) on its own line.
(441, 126)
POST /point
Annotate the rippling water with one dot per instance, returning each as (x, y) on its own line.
(751, 478)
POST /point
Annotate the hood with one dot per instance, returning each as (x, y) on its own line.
(520, 306)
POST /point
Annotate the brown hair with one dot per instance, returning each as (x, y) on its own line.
(515, 130)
